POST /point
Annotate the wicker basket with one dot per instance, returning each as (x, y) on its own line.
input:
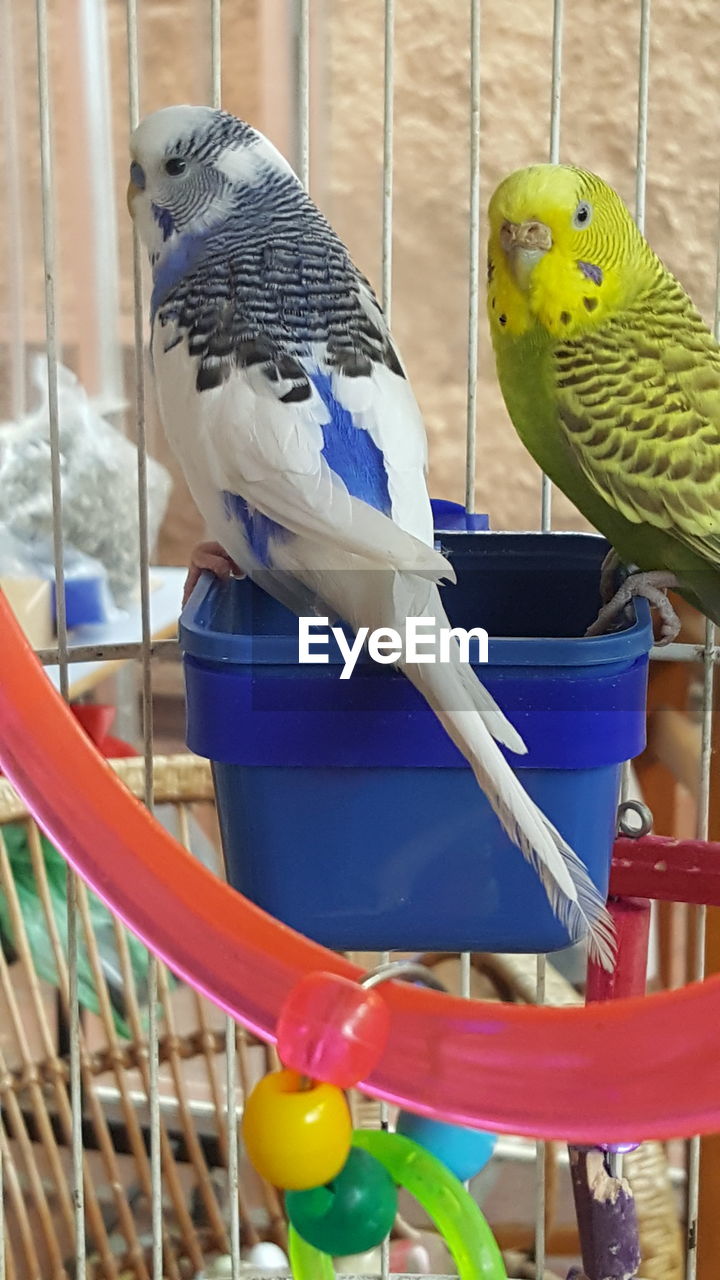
(35, 1134)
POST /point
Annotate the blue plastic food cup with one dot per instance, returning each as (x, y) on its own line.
(345, 809)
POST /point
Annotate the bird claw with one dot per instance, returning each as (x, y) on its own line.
(653, 587)
(608, 574)
(213, 557)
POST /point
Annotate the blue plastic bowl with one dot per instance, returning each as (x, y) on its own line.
(345, 809)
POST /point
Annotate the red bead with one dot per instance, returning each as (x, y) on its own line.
(332, 1029)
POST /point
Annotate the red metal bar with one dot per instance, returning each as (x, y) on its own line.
(666, 869)
(631, 917)
(604, 1203)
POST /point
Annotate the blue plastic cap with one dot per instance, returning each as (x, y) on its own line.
(451, 517)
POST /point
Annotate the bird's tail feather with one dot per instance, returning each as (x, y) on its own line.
(472, 719)
(492, 717)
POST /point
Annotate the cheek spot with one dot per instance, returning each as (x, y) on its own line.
(565, 317)
(591, 272)
(590, 303)
(164, 220)
(502, 319)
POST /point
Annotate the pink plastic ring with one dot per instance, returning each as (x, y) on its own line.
(511, 1069)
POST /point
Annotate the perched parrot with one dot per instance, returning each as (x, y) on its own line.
(612, 381)
(284, 397)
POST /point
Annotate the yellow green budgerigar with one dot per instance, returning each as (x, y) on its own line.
(611, 378)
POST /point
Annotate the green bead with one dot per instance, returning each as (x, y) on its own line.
(352, 1213)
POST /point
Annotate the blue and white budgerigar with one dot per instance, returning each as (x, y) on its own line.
(285, 399)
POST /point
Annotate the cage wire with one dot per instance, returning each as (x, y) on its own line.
(144, 651)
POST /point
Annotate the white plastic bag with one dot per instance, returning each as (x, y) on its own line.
(98, 468)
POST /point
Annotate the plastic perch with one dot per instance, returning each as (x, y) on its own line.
(604, 1203)
(607, 1220)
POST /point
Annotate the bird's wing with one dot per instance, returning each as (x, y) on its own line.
(639, 404)
(384, 405)
(320, 454)
(301, 398)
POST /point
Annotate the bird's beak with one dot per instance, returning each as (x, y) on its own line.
(132, 191)
(524, 244)
(136, 184)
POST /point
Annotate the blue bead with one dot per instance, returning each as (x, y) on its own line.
(464, 1151)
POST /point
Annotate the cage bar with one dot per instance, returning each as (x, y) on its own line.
(388, 143)
(232, 1143)
(558, 29)
(302, 96)
(156, 1202)
(215, 53)
(473, 259)
(51, 340)
(51, 328)
(642, 123)
(709, 658)
(13, 192)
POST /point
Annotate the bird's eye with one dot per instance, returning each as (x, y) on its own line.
(175, 166)
(582, 216)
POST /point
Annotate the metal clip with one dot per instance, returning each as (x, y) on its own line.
(641, 811)
(409, 970)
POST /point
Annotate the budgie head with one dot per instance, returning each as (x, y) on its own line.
(190, 167)
(563, 252)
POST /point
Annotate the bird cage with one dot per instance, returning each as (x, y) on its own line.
(121, 1088)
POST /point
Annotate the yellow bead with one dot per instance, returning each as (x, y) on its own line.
(296, 1137)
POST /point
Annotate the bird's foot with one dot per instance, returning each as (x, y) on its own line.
(608, 574)
(653, 587)
(209, 555)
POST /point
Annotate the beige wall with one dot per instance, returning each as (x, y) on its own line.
(599, 121)
(431, 168)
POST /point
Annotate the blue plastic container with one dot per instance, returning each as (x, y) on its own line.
(345, 809)
(86, 601)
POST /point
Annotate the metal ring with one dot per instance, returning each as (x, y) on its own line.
(409, 970)
(641, 811)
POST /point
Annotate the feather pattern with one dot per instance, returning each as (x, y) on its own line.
(640, 404)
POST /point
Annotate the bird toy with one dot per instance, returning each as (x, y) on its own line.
(341, 1186)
